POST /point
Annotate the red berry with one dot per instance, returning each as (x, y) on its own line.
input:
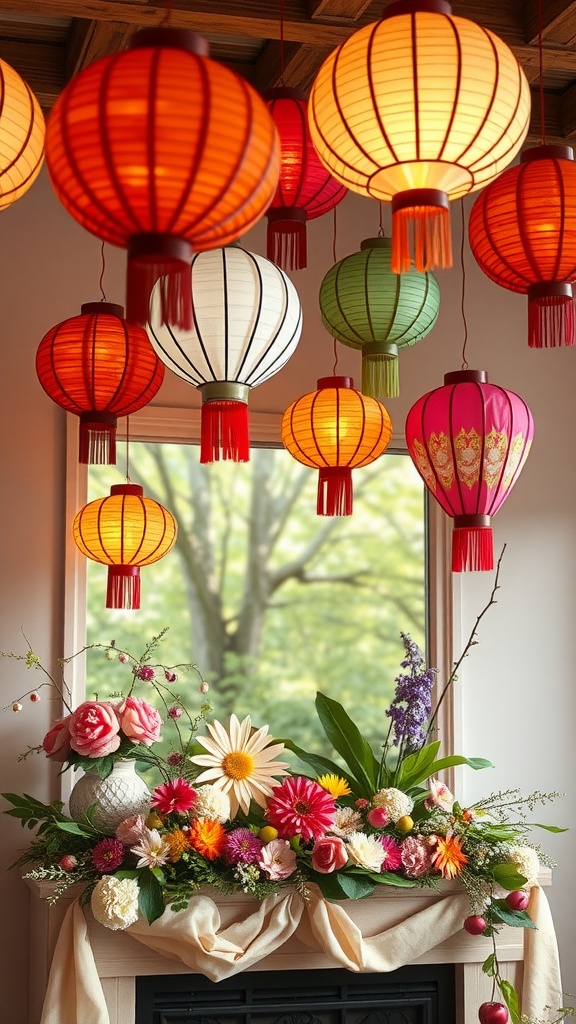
(475, 925)
(518, 900)
(171, 677)
(68, 862)
(493, 1013)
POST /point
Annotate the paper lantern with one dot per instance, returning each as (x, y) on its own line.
(522, 232)
(469, 441)
(99, 367)
(419, 108)
(124, 531)
(336, 429)
(306, 190)
(162, 151)
(247, 323)
(365, 305)
(21, 136)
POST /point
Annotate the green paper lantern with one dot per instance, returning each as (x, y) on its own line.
(365, 305)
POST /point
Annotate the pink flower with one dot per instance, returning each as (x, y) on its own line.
(145, 672)
(139, 721)
(416, 856)
(361, 803)
(130, 830)
(107, 855)
(378, 817)
(300, 807)
(56, 742)
(242, 846)
(170, 677)
(68, 862)
(392, 855)
(329, 854)
(174, 797)
(440, 796)
(277, 860)
(94, 729)
(175, 712)
(175, 758)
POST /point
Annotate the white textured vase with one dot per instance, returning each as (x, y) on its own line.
(123, 793)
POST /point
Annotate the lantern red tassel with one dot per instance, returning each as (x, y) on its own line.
(551, 315)
(286, 238)
(224, 432)
(472, 544)
(153, 256)
(334, 491)
(123, 587)
(420, 230)
(97, 439)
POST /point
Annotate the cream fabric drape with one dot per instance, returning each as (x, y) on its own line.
(195, 937)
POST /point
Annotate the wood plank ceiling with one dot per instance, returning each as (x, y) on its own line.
(49, 41)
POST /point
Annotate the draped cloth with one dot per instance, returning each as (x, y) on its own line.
(197, 938)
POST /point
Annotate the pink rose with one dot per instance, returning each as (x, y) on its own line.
(56, 742)
(416, 856)
(139, 721)
(94, 729)
(329, 854)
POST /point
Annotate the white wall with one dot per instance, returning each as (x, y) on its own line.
(518, 684)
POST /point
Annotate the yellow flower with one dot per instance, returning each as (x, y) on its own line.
(334, 785)
(448, 857)
(240, 762)
(178, 843)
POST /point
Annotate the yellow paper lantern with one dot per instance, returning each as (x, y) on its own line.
(21, 136)
(419, 108)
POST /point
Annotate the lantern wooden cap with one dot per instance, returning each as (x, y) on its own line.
(466, 376)
(135, 489)
(416, 7)
(107, 308)
(334, 382)
(170, 38)
(376, 243)
(546, 153)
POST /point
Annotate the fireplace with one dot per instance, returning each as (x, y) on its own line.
(410, 995)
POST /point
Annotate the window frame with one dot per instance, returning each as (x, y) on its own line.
(179, 425)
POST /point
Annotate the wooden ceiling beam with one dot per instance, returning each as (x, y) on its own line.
(554, 59)
(346, 11)
(301, 64)
(90, 40)
(558, 22)
(41, 65)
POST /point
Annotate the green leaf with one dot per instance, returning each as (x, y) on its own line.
(321, 765)
(150, 899)
(549, 828)
(389, 878)
(354, 886)
(510, 997)
(73, 828)
(416, 767)
(347, 739)
(330, 887)
(159, 874)
(489, 965)
(508, 877)
(125, 873)
(514, 918)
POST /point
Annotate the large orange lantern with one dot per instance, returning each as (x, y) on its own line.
(124, 531)
(522, 232)
(99, 367)
(162, 151)
(419, 108)
(336, 429)
(21, 136)
(469, 441)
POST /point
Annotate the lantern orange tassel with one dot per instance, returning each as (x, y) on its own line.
(224, 432)
(551, 315)
(472, 545)
(334, 491)
(420, 230)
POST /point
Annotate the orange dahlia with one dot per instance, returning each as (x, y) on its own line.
(208, 838)
(448, 857)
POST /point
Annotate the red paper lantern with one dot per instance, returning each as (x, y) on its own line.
(306, 190)
(522, 232)
(100, 367)
(124, 531)
(469, 440)
(336, 429)
(162, 151)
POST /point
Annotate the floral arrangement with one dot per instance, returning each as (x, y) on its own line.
(230, 814)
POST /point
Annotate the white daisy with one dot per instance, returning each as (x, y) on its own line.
(152, 850)
(240, 763)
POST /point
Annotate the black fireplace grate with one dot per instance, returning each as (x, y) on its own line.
(411, 995)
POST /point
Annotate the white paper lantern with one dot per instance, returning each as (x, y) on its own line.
(247, 323)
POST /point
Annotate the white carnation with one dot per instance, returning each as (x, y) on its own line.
(526, 862)
(366, 851)
(347, 820)
(212, 803)
(396, 803)
(115, 902)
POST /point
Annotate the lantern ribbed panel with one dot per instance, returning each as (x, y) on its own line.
(365, 305)
(306, 189)
(469, 440)
(419, 108)
(336, 429)
(159, 146)
(247, 324)
(124, 530)
(21, 136)
(522, 232)
(98, 363)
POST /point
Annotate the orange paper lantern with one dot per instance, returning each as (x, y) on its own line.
(162, 151)
(124, 531)
(21, 136)
(336, 429)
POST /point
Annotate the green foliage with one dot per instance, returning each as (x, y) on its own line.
(349, 742)
(500, 910)
(508, 877)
